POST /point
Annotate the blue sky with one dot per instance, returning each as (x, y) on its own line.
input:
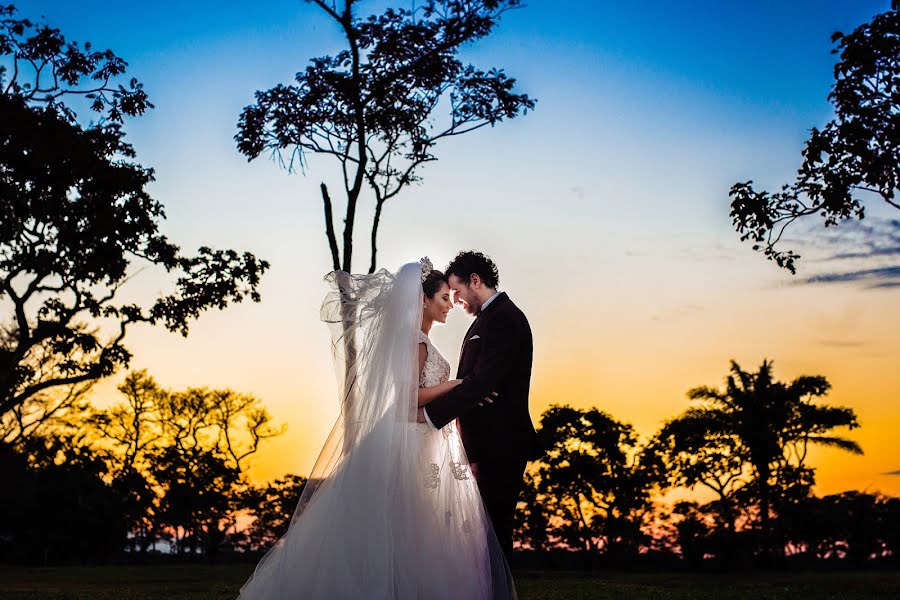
(606, 208)
(769, 54)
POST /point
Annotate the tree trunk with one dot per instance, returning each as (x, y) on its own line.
(765, 522)
(348, 318)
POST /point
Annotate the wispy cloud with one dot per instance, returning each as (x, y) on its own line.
(897, 472)
(873, 252)
(875, 239)
(863, 253)
(841, 343)
(578, 191)
(851, 240)
(881, 277)
(685, 310)
(716, 251)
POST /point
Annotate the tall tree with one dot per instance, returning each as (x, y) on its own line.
(594, 480)
(854, 156)
(78, 222)
(199, 465)
(767, 424)
(382, 103)
(180, 459)
(131, 427)
(129, 432)
(696, 455)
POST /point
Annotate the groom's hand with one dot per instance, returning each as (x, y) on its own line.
(420, 415)
(489, 399)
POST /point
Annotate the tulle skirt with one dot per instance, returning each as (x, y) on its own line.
(385, 526)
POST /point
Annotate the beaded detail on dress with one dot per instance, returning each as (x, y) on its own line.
(436, 370)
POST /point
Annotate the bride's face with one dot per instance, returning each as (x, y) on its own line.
(440, 304)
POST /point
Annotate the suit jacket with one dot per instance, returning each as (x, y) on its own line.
(496, 357)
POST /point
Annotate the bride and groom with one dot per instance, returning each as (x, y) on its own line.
(414, 493)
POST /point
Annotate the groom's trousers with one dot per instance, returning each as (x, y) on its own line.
(500, 481)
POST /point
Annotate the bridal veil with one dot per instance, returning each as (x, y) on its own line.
(390, 510)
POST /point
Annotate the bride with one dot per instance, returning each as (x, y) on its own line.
(391, 509)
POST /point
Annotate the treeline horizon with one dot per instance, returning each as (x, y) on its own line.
(92, 486)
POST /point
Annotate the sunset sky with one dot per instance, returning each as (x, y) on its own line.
(606, 209)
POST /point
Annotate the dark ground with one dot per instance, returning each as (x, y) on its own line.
(185, 582)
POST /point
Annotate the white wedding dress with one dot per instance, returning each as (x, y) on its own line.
(391, 510)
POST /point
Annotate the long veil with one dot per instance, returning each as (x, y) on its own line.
(369, 524)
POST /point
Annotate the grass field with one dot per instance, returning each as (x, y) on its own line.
(203, 582)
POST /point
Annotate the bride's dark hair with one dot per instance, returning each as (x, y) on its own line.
(432, 282)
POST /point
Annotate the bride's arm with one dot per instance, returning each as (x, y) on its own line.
(428, 394)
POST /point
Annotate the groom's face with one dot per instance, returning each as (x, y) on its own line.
(463, 295)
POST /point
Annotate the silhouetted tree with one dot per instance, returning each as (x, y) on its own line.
(56, 506)
(694, 533)
(200, 496)
(532, 519)
(697, 455)
(859, 515)
(889, 526)
(62, 407)
(129, 431)
(850, 526)
(376, 104)
(132, 427)
(207, 437)
(199, 417)
(140, 506)
(375, 107)
(593, 481)
(855, 154)
(766, 424)
(181, 457)
(272, 506)
(77, 220)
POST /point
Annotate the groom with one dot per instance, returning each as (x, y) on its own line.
(491, 403)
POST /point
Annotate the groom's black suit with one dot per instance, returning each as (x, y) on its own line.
(498, 437)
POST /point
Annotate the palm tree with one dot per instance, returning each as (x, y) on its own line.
(771, 424)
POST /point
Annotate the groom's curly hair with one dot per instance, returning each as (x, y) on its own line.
(470, 262)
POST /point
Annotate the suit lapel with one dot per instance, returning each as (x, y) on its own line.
(475, 327)
(462, 350)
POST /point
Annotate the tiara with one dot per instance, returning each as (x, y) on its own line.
(427, 267)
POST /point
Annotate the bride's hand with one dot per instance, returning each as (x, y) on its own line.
(426, 395)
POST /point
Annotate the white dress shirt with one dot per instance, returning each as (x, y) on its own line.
(488, 301)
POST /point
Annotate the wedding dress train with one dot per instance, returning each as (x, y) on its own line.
(391, 509)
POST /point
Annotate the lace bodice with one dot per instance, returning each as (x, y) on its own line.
(445, 458)
(436, 369)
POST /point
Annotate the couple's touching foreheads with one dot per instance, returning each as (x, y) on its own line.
(414, 494)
